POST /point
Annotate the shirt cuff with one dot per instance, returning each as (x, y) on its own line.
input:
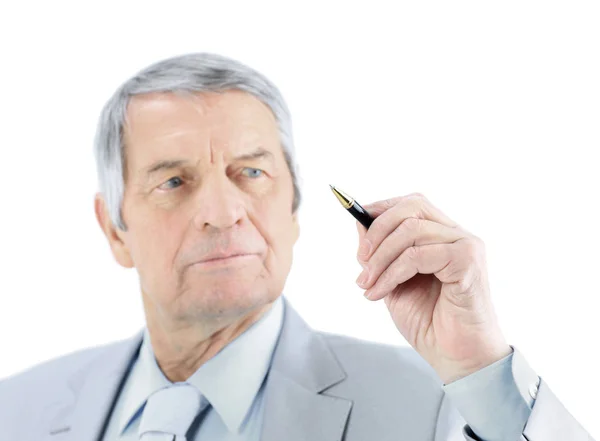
(496, 401)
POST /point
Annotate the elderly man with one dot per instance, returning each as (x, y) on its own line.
(199, 193)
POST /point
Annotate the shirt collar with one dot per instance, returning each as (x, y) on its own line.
(230, 380)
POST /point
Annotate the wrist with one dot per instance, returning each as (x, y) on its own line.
(455, 371)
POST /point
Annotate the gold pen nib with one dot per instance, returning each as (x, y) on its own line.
(344, 199)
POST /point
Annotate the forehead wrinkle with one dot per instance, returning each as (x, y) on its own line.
(199, 105)
(201, 102)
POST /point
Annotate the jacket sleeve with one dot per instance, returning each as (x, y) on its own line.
(549, 421)
(505, 401)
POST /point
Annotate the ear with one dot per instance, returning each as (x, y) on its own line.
(114, 236)
(295, 226)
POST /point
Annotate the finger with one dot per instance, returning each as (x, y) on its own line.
(375, 209)
(424, 259)
(361, 234)
(379, 207)
(361, 230)
(411, 232)
(415, 205)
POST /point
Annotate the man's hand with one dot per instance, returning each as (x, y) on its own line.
(433, 278)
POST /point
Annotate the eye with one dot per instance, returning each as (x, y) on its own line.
(253, 172)
(174, 181)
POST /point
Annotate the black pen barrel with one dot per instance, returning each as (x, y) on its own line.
(361, 215)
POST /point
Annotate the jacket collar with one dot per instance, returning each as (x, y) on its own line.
(230, 380)
(296, 402)
(297, 406)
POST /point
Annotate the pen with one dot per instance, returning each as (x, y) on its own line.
(353, 207)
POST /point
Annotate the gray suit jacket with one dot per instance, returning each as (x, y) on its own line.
(321, 387)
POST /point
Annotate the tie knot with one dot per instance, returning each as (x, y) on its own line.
(171, 410)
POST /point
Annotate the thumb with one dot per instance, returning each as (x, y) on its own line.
(374, 209)
(361, 231)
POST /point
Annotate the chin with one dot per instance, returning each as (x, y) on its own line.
(227, 301)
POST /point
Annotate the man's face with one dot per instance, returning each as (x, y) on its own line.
(206, 176)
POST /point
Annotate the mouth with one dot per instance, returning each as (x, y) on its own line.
(236, 259)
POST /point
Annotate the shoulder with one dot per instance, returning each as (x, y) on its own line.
(390, 386)
(28, 397)
(358, 356)
(58, 366)
(384, 372)
(48, 379)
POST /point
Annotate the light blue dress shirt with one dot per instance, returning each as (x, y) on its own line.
(494, 400)
(232, 381)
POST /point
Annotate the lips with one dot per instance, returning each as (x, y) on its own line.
(222, 256)
(208, 259)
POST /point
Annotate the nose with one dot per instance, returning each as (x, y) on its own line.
(219, 203)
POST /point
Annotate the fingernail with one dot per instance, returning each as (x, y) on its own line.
(365, 247)
(370, 293)
(362, 279)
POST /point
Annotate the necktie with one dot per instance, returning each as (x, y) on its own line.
(170, 411)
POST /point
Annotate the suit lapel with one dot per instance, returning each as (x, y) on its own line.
(303, 367)
(296, 406)
(81, 413)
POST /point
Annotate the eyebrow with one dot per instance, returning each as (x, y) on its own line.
(169, 164)
(259, 153)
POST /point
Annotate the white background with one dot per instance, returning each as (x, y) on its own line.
(489, 109)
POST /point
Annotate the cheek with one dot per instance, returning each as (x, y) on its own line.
(275, 224)
(155, 249)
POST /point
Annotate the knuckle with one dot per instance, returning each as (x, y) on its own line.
(473, 248)
(389, 203)
(480, 243)
(411, 224)
(462, 289)
(375, 230)
(421, 203)
(412, 254)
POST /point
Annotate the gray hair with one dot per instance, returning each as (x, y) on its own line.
(198, 72)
